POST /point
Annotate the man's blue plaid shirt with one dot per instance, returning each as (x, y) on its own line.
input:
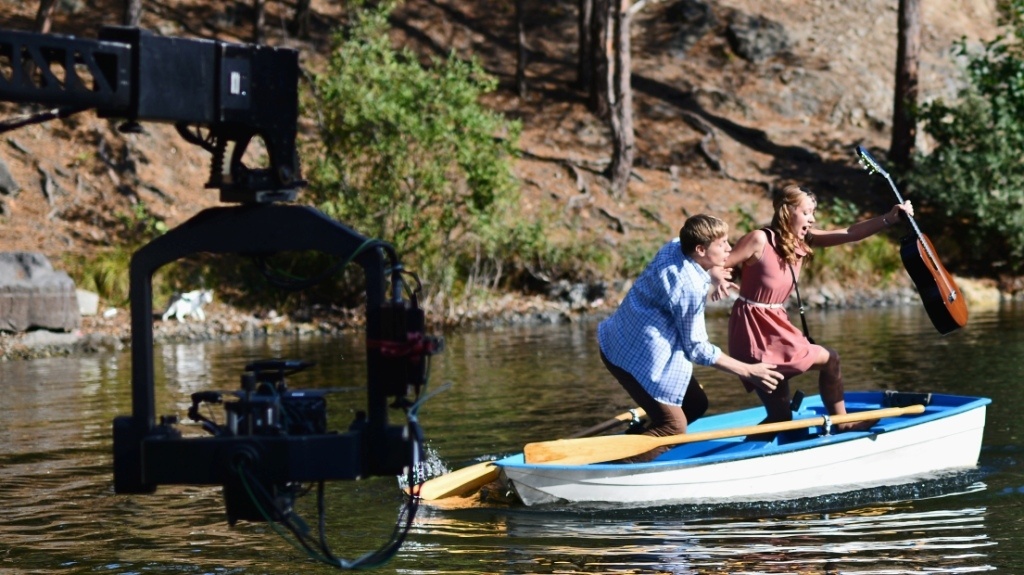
(658, 332)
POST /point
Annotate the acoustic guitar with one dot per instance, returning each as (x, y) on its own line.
(942, 299)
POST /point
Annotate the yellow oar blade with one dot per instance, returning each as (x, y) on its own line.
(460, 481)
(469, 479)
(584, 450)
(600, 449)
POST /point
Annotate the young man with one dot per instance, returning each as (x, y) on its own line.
(657, 334)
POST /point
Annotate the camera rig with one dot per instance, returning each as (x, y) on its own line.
(237, 92)
(274, 439)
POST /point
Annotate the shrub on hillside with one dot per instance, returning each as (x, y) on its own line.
(974, 177)
(409, 155)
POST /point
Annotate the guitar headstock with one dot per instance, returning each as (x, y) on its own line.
(869, 163)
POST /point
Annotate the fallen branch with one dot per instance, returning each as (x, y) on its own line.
(620, 225)
(698, 123)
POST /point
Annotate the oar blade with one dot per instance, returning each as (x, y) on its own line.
(460, 481)
(469, 479)
(589, 449)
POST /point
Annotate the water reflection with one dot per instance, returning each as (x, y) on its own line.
(187, 365)
(511, 386)
(891, 539)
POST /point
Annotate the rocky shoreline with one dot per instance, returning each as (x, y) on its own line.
(111, 332)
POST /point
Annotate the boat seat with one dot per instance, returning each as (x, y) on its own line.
(893, 398)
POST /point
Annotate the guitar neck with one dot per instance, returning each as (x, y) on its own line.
(932, 258)
(910, 218)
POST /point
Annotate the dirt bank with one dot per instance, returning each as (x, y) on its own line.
(111, 332)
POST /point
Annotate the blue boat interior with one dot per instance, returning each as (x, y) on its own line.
(740, 447)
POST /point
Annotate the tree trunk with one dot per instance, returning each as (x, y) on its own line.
(257, 22)
(904, 129)
(585, 46)
(300, 22)
(521, 50)
(623, 138)
(601, 51)
(132, 12)
(44, 17)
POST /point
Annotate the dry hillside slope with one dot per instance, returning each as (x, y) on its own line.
(714, 130)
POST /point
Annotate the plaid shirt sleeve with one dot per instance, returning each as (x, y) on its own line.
(693, 335)
(658, 332)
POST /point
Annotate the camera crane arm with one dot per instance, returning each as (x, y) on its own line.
(237, 92)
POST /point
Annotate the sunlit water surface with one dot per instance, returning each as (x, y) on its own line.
(509, 387)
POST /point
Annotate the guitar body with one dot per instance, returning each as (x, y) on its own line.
(942, 299)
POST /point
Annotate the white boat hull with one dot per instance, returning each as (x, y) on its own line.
(834, 464)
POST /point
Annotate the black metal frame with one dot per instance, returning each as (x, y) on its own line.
(148, 452)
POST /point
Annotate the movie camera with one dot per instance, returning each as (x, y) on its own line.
(221, 96)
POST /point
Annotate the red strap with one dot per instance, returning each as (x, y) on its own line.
(416, 347)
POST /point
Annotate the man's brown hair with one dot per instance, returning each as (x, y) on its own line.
(700, 230)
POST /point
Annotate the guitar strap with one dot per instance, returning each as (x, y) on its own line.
(796, 285)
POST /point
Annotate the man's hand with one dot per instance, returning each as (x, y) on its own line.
(721, 282)
(764, 377)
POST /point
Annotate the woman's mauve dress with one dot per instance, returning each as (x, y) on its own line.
(765, 334)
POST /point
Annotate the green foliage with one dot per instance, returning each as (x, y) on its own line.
(838, 213)
(635, 258)
(409, 155)
(873, 259)
(140, 225)
(105, 273)
(974, 177)
(746, 220)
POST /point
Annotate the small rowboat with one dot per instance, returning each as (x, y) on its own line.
(943, 436)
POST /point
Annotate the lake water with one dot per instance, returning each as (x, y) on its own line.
(510, 387)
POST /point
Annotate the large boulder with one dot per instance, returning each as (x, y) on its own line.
(35, 296)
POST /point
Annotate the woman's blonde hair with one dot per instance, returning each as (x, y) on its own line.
(700, 230)
(786, 201)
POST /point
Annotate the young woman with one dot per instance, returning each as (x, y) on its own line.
(759, 327)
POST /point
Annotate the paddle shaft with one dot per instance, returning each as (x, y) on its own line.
(600, 449)
(626, 417)
(476, 476)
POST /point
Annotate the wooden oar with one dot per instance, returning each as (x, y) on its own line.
(626, 417)
(476, 476)
(610, 448)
